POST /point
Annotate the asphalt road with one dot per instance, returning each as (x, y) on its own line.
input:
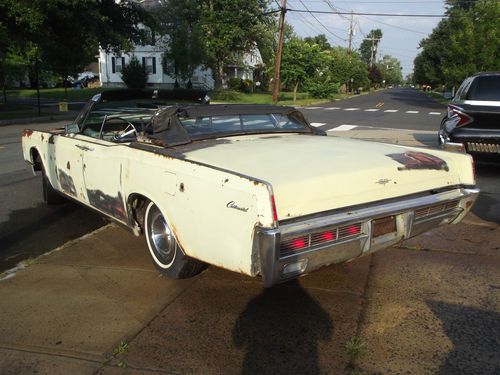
(29, 228)
(401, 108)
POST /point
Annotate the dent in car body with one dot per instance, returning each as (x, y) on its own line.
(113, 206)
(66, 182)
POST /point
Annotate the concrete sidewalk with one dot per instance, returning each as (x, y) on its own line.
(97, 305)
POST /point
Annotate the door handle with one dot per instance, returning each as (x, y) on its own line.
(84, 148)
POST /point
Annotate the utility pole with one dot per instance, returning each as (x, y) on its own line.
(351, 33)
(372, 56)
(277, 69)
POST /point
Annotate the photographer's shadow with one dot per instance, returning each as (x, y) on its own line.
(280, 330)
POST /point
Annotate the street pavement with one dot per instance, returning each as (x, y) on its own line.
(96, 305)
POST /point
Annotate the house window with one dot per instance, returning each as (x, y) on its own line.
(117, 64)
(150, 64)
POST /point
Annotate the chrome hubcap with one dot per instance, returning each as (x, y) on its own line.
(161, 236)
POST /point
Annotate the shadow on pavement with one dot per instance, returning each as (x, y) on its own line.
(475, 335)
(33, 231)
(280, 330)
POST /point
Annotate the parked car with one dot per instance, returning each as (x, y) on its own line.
(473, 118)
(251, 188)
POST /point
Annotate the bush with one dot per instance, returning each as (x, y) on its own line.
(134, 74)
(323, 90)
(246, 85)
(225, 95)
(233, 83)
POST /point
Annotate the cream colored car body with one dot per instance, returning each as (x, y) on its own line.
(217, 196)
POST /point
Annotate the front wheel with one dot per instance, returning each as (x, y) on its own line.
(167, 255)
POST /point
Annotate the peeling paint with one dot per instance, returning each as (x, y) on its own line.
(27, 133)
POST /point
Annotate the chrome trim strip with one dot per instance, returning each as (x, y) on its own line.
(307, 226)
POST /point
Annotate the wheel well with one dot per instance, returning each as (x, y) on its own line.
(136, 206)
(36, 159)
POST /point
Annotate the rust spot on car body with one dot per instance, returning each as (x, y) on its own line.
(27, 133)
(68, 165)
(51, 139)
(42, 137)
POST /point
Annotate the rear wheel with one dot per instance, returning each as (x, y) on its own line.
(167, 255)
(50, 195)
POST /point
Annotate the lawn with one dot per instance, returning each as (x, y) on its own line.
(286, 98)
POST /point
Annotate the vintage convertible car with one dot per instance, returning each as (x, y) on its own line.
(250, 188)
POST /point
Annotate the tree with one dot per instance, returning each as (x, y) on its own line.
(184, 46)
(320, 40)
(230, 27)
(63, 36)
(134, 74)
(300, 62)
(390, 67)
(369, 46)
(461, 45)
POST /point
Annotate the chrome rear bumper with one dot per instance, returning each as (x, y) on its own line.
(412, 216)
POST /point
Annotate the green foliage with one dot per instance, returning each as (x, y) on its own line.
(246, 85)
(323, 90)
(355, 348)
(390, 67)
(319, 40)
(365, 49)
(63, 36)
(233, 83)
(461, 45)
(134, 74)
(184, 46)
(225, 95)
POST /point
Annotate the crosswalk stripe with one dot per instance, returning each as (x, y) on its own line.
(372, 110)
(391, 110)
(343, 128)
(412, 111)
(435, 113)
(316, 124)
(352, 109)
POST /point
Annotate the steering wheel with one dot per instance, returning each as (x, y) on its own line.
(129, 130)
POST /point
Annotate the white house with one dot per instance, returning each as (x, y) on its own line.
(110, 67)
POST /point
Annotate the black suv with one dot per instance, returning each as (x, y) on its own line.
(473, 119)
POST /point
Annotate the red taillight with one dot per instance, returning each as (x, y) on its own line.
(328, 236)
(457, 112)
(275, 212)
(299, 243)
(353, 229)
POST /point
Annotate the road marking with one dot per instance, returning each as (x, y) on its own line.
(316, 124)
(435, 113)
(372, 110)
(331, 108)
(343, 128)
(412, 111)
(352, 109)
(380, 104)
(313, 107)
(391, 110)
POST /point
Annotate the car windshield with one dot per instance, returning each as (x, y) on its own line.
(242, 124)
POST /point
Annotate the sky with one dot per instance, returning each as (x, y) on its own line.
(401, 35)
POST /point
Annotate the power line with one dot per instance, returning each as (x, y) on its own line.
(312, 12)
(316, 18)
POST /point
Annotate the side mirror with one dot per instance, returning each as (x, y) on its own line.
(71, 129)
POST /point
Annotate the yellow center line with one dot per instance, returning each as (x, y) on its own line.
(380, 104)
